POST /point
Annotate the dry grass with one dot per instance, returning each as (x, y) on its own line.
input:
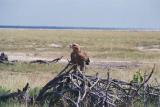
(14, 80)
(107, 45)
(16, 76)
(127, 74)
(120, 45)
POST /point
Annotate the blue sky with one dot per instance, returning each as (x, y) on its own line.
(84, 13)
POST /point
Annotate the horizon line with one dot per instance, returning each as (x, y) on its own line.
(79, 28)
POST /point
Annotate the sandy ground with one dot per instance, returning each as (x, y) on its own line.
(98, 63)
(152, 48)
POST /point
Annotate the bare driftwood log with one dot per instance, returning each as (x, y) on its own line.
(72, 88)
(52, 83)
(46, 62)
(4, 60)
(21, 95)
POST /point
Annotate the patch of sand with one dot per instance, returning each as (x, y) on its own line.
(152, 48)
(95, 63)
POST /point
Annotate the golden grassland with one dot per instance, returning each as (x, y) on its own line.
(107, 45)
(99, 44)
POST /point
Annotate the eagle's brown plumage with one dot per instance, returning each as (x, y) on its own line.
(78, 57)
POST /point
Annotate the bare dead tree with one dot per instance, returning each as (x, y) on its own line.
(72, 88)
